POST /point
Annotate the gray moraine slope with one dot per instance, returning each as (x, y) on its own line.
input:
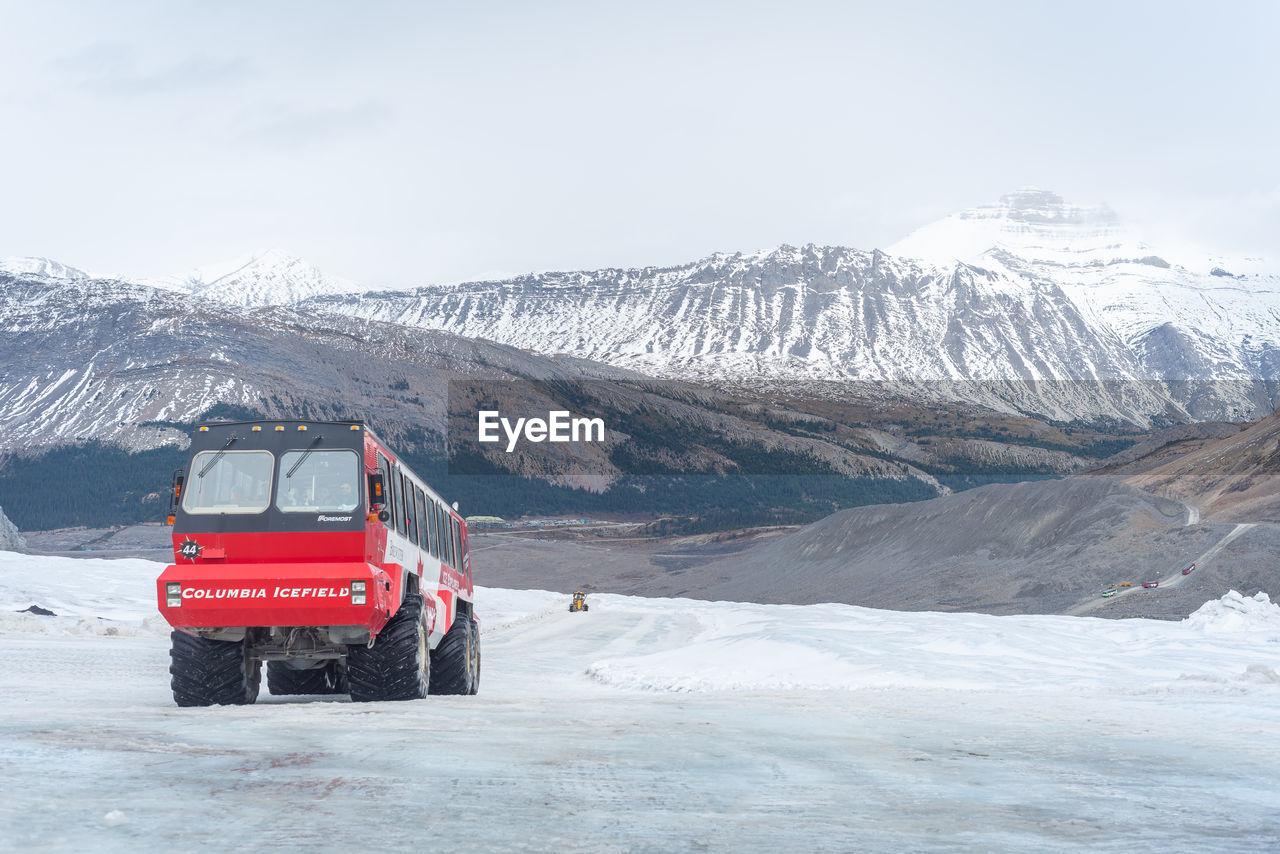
(1038, 547)
(1045, 547)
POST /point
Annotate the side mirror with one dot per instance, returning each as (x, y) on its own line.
(384, 515)
(377, 492)
(175, 495)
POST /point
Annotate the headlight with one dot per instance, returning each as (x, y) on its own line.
(357, 593)
(173, 594)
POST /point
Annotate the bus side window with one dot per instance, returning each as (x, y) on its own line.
(442, 525)
(429, 526)
(422, 517)
(411, 511)
(457, 544)
(434, 528)
(441, 551)
(448, 538)
(466, 555)
(402, 517)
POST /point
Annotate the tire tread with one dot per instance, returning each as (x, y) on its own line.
(211, 673)
(390, 670)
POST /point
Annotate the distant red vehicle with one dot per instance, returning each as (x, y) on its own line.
(1187, 571)
(1151, 584)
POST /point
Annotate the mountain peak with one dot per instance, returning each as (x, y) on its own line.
(40, 267)
(1033, 205)
(262, 259)
(265, 277)
(1032, 223)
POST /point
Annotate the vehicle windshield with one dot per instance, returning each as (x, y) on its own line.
(229, 482)
(318, 480)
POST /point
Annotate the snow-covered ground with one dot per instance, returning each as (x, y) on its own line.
(655, 725)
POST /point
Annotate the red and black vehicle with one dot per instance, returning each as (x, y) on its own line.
(311, 546)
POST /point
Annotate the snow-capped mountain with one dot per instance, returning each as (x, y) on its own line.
(40, 267)
(118, 362)
(1040, 226)
(1211, 323)
(127, 364)
(814, 314)
(269, 277)
(1036, 225)
(1030, 304)
(1029, 296)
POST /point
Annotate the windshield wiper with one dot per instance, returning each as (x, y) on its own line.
(303, 458)
(214, 461)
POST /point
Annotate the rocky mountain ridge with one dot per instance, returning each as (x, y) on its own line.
(121, 363)
(1030, 305)
(1048, 309)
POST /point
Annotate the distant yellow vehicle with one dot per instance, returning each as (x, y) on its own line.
(1111, 587)
(579, 602)
(1126, 583)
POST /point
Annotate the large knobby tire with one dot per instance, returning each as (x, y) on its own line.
(211, 672)
(283, 679)
(475, 675)
(455, 662)
(398, 665)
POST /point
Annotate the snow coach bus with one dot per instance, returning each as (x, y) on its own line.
(312, 547)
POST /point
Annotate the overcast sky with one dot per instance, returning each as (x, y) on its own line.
(406, 143)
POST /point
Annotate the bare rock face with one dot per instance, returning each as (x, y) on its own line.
(11, 539)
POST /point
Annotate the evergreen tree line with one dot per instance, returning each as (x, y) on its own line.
(99, 485)
(93, 484)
